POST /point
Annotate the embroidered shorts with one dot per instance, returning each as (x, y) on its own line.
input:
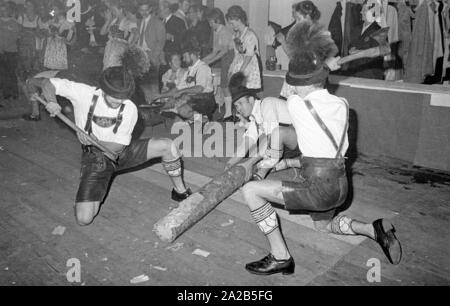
(322, 190)
(97, 170)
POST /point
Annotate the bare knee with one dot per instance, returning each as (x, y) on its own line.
(164, 148)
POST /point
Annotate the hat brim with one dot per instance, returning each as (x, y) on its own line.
(244, 93)
(122, 95)
(306, 80)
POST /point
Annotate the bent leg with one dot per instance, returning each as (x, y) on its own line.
(171, 157)
(257, 196)
(280, 137)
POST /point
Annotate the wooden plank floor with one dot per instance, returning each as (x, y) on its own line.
(39, 172)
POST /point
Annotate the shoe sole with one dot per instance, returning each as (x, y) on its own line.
(267, 274)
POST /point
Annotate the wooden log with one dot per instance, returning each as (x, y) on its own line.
(197, 206)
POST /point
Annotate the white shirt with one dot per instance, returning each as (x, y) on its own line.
(266, 117)
(80, 95)
(312, 140)
(203, 76)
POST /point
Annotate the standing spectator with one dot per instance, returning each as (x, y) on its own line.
(28, 41)
(122, 32)
(61, 33)
(182, 11)
(199, 34)
(246, 49)
(9, 34)
(223, 51)
(175, 27)
(152, 39)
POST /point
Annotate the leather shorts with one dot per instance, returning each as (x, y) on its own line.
(97, 170)
(322, 189)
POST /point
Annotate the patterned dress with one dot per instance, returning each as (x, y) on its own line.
(119, 33)
(55, 57)
(247, 45)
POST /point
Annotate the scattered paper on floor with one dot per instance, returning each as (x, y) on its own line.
(140, 279)
(59, 230)
(202, 253)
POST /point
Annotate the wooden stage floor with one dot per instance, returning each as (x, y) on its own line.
(39, 172)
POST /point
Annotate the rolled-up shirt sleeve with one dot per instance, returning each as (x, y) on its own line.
(77, 93)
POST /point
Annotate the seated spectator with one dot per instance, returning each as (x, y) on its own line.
(175, 77)
(198, 97)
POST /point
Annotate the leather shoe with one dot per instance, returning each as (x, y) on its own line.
(178, 197)
(385, 236)
(270, 265)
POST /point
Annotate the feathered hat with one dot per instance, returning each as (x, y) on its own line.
(308, 46)
(238, 88)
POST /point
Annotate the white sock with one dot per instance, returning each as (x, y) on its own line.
(228, 107)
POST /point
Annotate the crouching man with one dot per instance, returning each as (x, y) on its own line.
(320, 126)
(108, 116)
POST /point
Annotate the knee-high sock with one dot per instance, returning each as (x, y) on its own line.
(342, 225)
(228, 107)
(173, 168)
(266, 218)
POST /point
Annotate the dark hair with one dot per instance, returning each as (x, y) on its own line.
(307, 8)
(237, 13)
(216, 15)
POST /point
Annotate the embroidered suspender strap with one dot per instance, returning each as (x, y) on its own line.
(88, 127)
(326, 129)
(119, 119)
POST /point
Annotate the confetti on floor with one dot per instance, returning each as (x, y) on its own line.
(201, 253)
(140, 279)
(59, 230)
(229, 223)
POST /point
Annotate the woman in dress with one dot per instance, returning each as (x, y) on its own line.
(61, 34)
(246, 49)
(223, 51)
(122, 32)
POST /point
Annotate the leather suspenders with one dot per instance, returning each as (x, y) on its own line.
(88, 127)
(327, 130)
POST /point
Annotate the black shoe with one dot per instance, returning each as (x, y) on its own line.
(31, 118)
(385, 236)
(178, 197)
(270, 265)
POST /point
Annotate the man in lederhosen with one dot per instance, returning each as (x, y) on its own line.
(320, 124)
(108, 116)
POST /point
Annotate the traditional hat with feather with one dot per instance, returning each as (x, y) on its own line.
(308, 46)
